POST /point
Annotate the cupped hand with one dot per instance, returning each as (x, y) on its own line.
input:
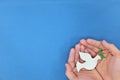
(71, 71)
(109, 67)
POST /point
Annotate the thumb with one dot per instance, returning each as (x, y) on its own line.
(111, 47)
(69, 72)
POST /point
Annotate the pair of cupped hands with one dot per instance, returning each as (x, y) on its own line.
(106, 69)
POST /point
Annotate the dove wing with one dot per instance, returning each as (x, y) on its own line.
(85, 56)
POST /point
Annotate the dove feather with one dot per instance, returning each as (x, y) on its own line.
(85, 56)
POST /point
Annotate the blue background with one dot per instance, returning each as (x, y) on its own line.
(36, 35)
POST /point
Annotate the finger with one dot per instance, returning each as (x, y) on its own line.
(95, 43)
(92, 53)
(75, 70)
(85, 43)
(69, 73)
(109, 56)
(111, 47)
(71, 59)
(105, 53)
(77, 49)
(82, 48)
(86, 51)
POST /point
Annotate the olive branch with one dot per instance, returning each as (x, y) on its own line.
(100, 53)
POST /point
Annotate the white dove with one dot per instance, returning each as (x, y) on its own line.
(89, 64)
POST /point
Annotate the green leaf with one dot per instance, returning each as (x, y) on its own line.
(100, 53)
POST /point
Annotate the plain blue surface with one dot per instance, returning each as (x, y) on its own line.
(36, 36)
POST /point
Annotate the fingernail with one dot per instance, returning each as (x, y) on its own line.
(66, 64)
(72, 49)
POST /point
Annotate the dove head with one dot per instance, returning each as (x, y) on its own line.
(85, 56)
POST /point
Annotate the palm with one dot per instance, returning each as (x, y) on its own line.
(109, 66)
(71, 72)
(104, 67)
(88, 75)
(114, 66)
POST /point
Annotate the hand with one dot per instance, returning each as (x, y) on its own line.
(71, 71)
(109, 67)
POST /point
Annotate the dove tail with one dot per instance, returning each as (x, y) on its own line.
(79, 66)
